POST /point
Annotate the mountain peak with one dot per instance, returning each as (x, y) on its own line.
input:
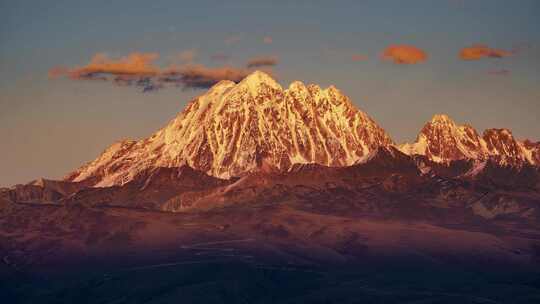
(234, 129)
(502, 144)
(257, 79)
(297, 86)
(442, 118)
(223, 83)
(442, 140)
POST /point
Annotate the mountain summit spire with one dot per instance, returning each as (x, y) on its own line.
(259, 78)
(442, 118)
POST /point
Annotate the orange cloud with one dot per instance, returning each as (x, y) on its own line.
(268, 40)
(138, 70)
(404, 54)
(359, 57)
(58, 71)
(199, 76)
(261, 61)
(133, 64)
(135, 69)
(479, 51)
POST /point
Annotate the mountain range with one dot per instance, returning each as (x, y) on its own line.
(253, 140)
(234, 129)
(442, 140)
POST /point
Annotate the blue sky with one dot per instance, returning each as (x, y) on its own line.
(50, 126)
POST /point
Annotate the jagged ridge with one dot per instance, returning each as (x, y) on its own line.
(442, 140)
(236, 128)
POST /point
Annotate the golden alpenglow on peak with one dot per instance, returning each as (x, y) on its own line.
(232, 128)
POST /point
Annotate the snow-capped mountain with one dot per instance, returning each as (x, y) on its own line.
(235, 128)
(442, 140)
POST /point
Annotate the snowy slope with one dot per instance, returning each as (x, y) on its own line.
(442, 140)
(235, 128)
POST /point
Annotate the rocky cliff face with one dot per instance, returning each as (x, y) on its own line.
(442, 140)
(532, 151)
(236, 128)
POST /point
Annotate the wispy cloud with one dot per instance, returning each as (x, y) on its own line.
(200, 76)
(133, 64)
(479, 51)
(135, 69)
(404, 54)
(359, 57)
(262, 61)
(138, 70)
(57, 71)
(145, 83)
